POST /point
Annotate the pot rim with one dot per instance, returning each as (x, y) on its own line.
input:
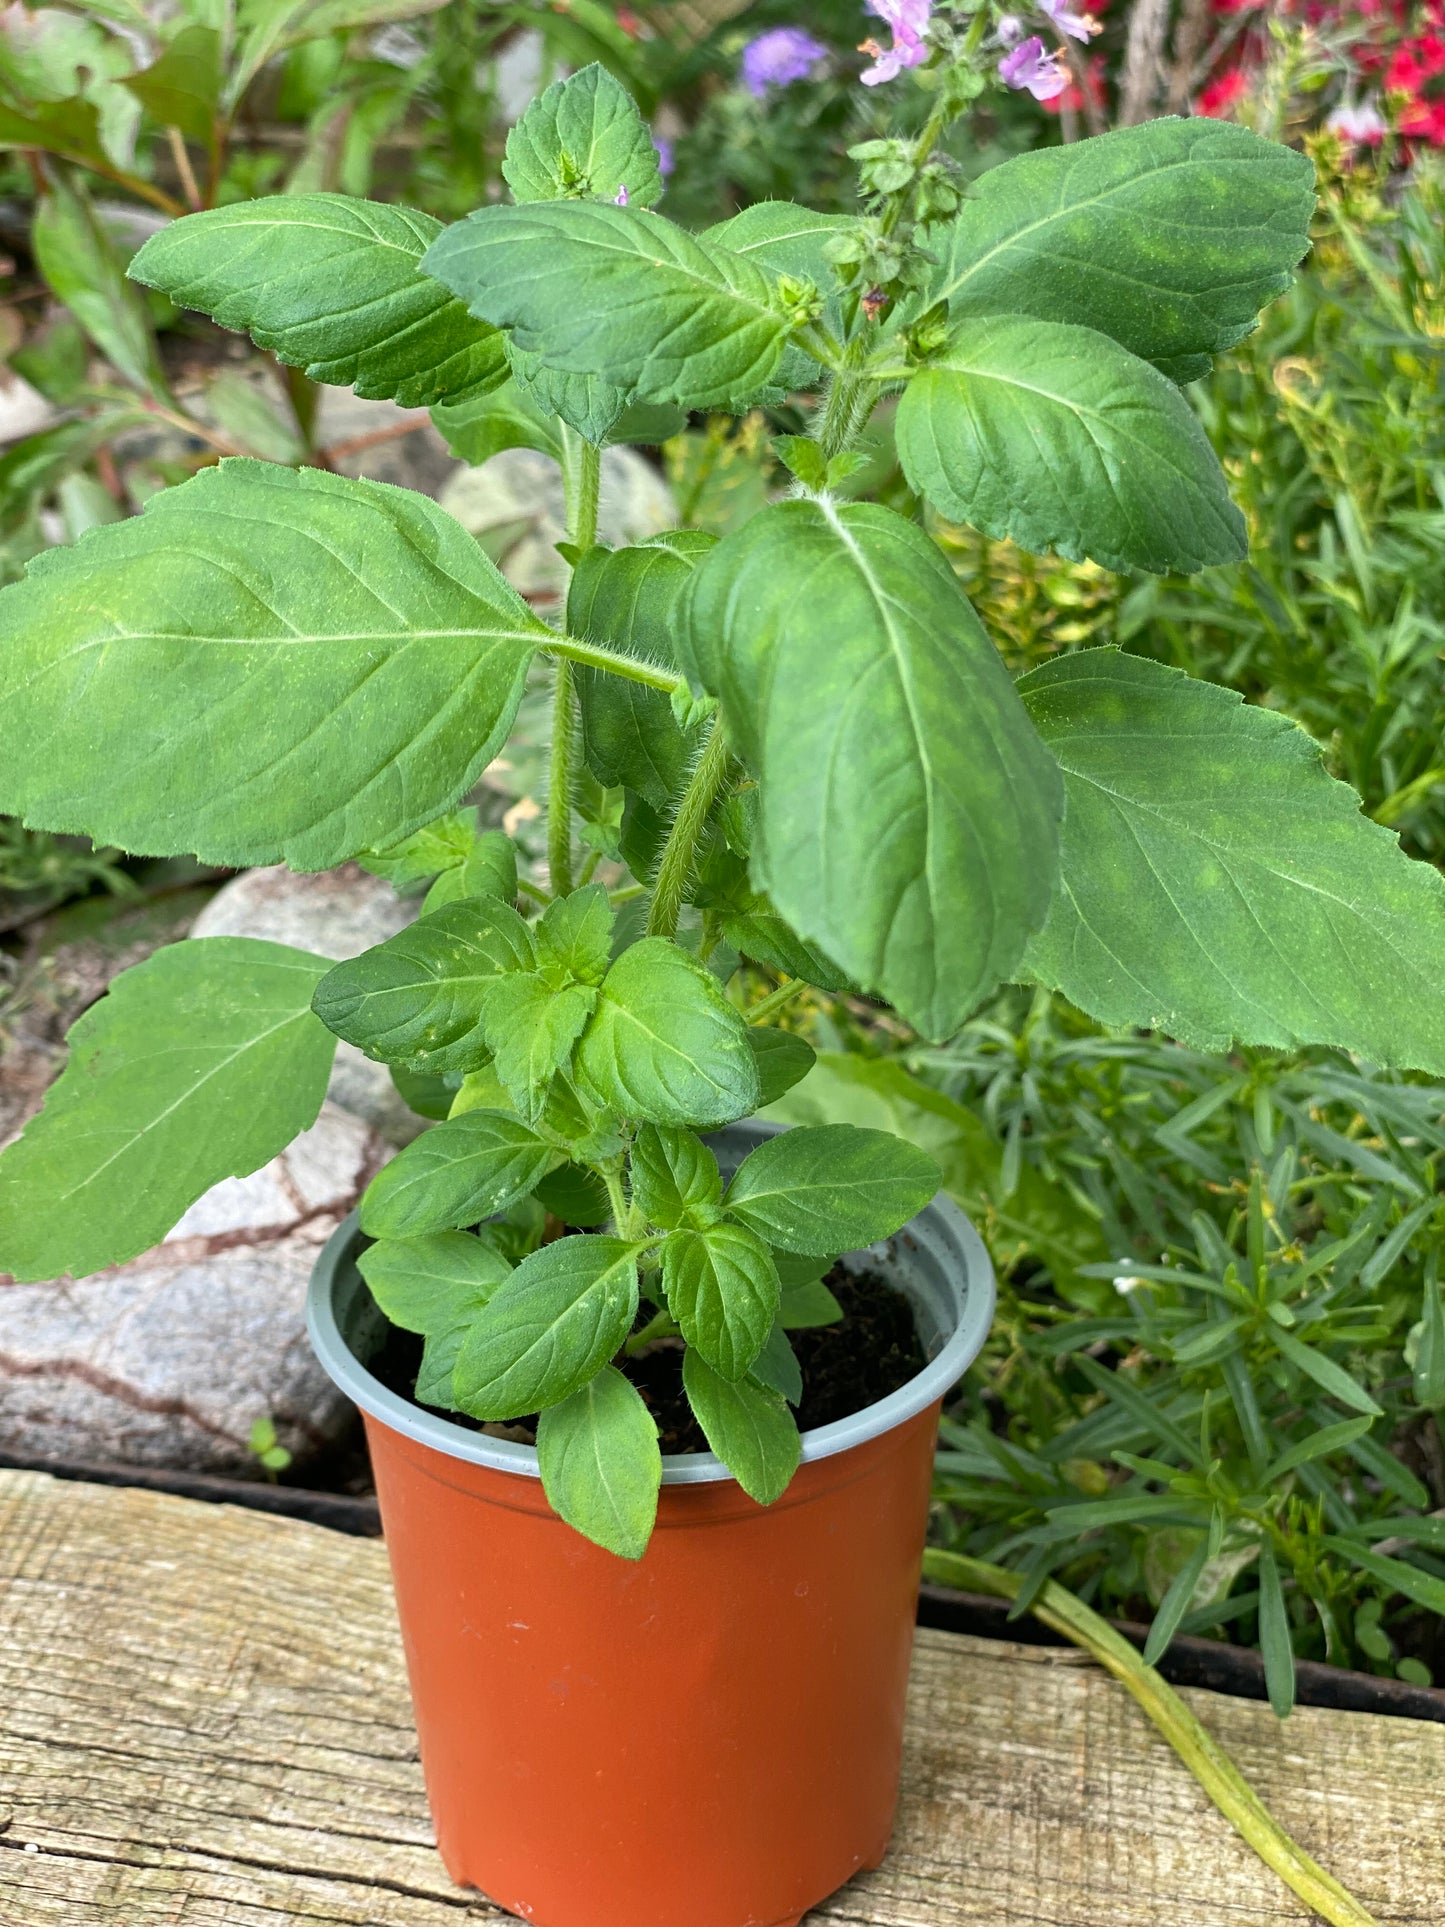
(973, 1296)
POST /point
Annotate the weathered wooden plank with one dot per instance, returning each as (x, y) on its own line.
(204, 1723)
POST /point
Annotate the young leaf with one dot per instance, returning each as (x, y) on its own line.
(489, 869)
(1217, 884)
(625, 598)
(776, 1366)
(438, 846)
(749, 1428)
(78, 259)
(618, 293)
(807, 1306)
(675, 1179)
(482, 425)
(1056, 438)
(455, 1174)
(664, 1044)
(1274, 1636)
(182, 87)
(827, 1188)
(722, 1288)
(1325, 1372)
(601, 1466)
(910, 814)
(340, 662)
(1175, 1603)
(420, 998)
(331, 285)
(575, 1195)
(574, 937)
(783, 1060)
(433, 1284)
(1331, 1438)
(199, 1064)
(554, 1324)
(1423, 1587)
(582, 138)
(1168, 237)
(531, 1026)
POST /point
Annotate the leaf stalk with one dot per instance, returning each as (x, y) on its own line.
(701, 793)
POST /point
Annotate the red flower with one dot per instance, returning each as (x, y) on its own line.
(1416, 61)
(1221, 94)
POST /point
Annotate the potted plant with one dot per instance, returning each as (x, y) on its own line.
(668, 1693)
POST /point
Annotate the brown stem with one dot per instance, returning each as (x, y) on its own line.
(183, 167)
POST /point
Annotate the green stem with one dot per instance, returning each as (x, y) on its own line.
(581, 483)
(611, 1175)
(1220, 1778)
(760, 1012)
(663, 1325)
(687, 826)
(594, 656)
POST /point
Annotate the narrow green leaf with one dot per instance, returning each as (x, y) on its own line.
(1423, 1587)
(456, 1174)
(1429, 1368)
(828, 1188)
(1319, 1445)
(601, 1466)
(1275, 1643)
(199, 1064)
(1168, 237)
(1056, 438)
(432, 1284)
(79, 261)
(722, 1288)
(340, 662)
(776, 1366)
(666, 316)
(664, 1044)
(420, 998)
(1175, 1603)
(555, 1323)
(749, 1428)
(783, 1060)
(1325, 1372)
(582, 138)
(675, 1178)
(1217, 884)
(331, 285)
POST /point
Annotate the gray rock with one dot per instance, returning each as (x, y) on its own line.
(170, 1360)
(333, 913)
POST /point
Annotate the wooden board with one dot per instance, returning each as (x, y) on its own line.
(204, 1723)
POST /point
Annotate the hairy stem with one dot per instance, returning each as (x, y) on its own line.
(1207, 1761)
(611, 1175)
(687, 826)
(760, 1012)
(581, 482)
(663, 1325)
(595, 656)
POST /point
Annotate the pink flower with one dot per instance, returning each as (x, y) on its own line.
(619, 199)
(908, 20)
(1078, 26)
(1010, 29)
(1361, 126)
(1030, 69)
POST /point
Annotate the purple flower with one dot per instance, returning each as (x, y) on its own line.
(908, 20)
(1010, 29)
(619, 199)
(1029, 68)
(665, 162)
(776, 58)
(1078, 26)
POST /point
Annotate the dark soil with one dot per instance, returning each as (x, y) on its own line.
(870, 1353)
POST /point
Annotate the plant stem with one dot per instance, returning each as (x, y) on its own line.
(1220, 1778)
(631, 668)
(621, 1212)
(581, 482)
(663, 1325)
(687, 826)
(760, 1012)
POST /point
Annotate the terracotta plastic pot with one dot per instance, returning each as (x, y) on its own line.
(709, 1737)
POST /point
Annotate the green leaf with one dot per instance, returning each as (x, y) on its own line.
(340, 663)
(199, 1064)
(722, 1288)
(458, 1173)
(331, 285)
(582, 138)
(601, 1466)
(1428, 1366)
(625, 599)
(675, 1179)
(575, 1195)
(442, 845)
(1274, 1636)
(589, 404)
(555, 1323)
(79, 261)
(1217, 884)
(805, 1307)
(1168, 237)
(760, 933)
(1175, 1603)
(783, 1060)
(482, 425)
(830, 1187)
(69, 127)
(438, 1367)
(489, 869)
(1056, 438)
(909, 819)
(1319, 1445)
(748, 1427)
(1422, 1587)
(432, 1285)
(420, 998)
(182, 87)
(664, 1044)
(531, 1028)
(1325, 1372)
(618, 293)
(574, 936)
(783, 238)
(776, 1366)
(428, 1096)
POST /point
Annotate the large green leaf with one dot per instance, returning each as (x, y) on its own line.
(600, 1463)
(419, 999)
(268, 664)
(1058, 438)
(1216, 884)
(583, 137)
(664, 1044)
(458, 1173)
(784, 238)
(828, 1188)
(1168, 237)
(909, 819)
(722, 1288)
(199, 1064)
(555, 1323)
(618, 293)
(625, 598)
(331, 285)
(748, 1426)
(435, 1284)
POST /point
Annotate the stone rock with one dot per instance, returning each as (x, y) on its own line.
(170, 1359)
(333, 913)
(380, 442)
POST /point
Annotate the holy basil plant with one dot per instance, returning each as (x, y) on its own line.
(799, 740)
